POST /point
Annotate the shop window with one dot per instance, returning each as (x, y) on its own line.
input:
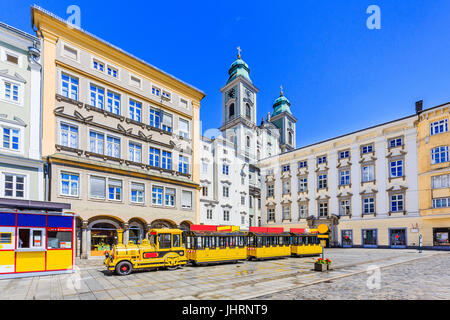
(103, 237)
(441, 236)
(30, 238)
(164, 241)
(59, 239)
(135, 234)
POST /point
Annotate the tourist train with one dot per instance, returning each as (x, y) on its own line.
(173, 248)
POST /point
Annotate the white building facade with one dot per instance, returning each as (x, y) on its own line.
(363, 185)
(21, 167)
(229, 173)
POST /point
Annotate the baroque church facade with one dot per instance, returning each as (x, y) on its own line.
(229, 175)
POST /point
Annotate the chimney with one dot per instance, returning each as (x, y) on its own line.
(419, 106)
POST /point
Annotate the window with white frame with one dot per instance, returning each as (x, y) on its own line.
(303, 210)
(69, 86)
(183, 128)
(226, 215)
(157, 195)
(137, 192)
(225, 169)
(225, 191)
(286, 211)
(439, 155)
(322, 159)
(322, 181)
(441, 181)
(12, 58)
(441, 202)
(270, 190)
(302, 184)
(167, 122)
(344, 154)
(112, 146)
(135, 110)
(344, 207)
(209, 214)
(113, 102)
(169, 197)
(242, 200)
(396, 168)
(97, 187)
(286, 168)
(154, 156)
(184, 103)
(114, 189)
(367, 149)
(156, 91)
(69, 135)
(368, 204)
(14, 185)
(11, 91)
(134, 152)
(136, 82)
(242, 219)
(186, 199)
(31, 238)
(397, 202)
(323, 209)
(368, 173)
(183, 164)
(396, 142)
(344, 177)
(70, 184)
(205, 191)
(302, 164)
(96, 142)
(166, 160)
(166, 95)
(100, 66)
(286, 186)
(155, 118)
(10, 138)
(439, 126)
(204, 167)
(271, 214)
(113, 72)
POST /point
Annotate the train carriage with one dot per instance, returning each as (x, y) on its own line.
(213, 247)
(305, 244)
(264, 245)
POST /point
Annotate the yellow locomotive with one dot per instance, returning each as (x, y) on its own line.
(164, 248)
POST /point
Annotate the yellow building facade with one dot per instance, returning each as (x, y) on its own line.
(434, 176)
(120, 137)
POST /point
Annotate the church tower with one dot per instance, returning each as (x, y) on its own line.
(283, 119)
(239, 110)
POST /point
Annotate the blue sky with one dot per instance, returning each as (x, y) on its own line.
(339, 75)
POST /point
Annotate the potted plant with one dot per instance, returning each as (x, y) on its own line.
(322, 264)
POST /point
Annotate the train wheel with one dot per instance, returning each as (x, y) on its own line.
(124, 268)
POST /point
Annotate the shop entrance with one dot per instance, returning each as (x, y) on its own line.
(441, 237)
(397, 238)
(103, 237)
(347, 238)
(135, 234)
(369, 238)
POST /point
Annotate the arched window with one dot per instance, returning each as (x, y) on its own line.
(231, 111)
(290, 138)
(248, 111)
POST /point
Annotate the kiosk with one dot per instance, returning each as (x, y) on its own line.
(36, 238)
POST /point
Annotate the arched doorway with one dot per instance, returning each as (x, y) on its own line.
(135, 231)
(161, 224)
(102, 236)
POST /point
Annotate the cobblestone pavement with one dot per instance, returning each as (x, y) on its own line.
(424, 279)
(245, 280)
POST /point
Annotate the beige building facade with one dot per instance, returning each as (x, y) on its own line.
(120, 138)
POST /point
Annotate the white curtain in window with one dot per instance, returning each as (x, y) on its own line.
(98, 187)
(186, 199)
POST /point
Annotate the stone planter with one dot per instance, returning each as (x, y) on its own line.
(329, 267)
(320, 267)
